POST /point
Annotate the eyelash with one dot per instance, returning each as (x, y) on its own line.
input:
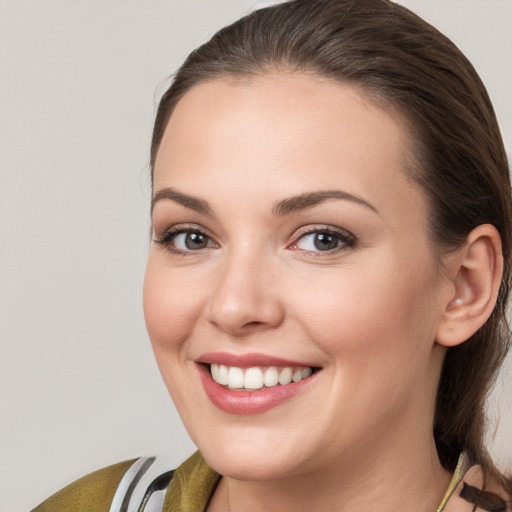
(167, 238)
(347, 239)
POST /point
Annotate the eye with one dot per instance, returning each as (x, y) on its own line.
(183, 240)
(191, 241)
(324, 240)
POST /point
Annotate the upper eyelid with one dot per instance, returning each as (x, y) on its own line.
(307, 228)
(315, 228)
(183, 227)
(348, 239)
(293, 237)
(166, 235)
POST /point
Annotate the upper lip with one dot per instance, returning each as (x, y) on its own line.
(248, 360)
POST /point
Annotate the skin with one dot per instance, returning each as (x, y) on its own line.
(367, 313)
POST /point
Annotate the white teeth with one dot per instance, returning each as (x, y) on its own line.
(306, 372)
(214, 369)
(223, 374)
(255, 377)
(220, 373)
(297, 375)
(235, 377)
(285, 377)
(271, 377)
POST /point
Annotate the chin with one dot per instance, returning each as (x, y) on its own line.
(253, 454)
(246, 468)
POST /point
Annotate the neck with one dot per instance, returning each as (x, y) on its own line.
(397, 474)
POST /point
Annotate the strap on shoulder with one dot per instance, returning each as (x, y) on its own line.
(143, 486)
(155, 493)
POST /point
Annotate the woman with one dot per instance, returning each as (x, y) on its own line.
(329, 270)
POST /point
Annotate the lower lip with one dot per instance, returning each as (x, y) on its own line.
(248, 402)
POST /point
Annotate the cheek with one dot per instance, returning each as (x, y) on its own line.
(385, 309)
(377, 329)
(168, 310)
(170, 316)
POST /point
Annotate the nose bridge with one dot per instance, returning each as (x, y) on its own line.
(244, 298)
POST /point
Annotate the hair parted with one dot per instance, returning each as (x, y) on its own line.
(404, 63)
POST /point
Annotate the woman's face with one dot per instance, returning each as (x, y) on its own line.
(288, 243)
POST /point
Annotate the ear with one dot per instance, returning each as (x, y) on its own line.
(475, 270)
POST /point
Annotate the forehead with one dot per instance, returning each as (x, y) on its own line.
(312, 133)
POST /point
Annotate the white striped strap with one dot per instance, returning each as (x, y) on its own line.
(143, 486)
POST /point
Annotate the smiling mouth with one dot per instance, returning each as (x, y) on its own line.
(257, 377)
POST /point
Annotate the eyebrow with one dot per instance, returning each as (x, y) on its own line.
(281, 208)
(188, 201)
(310, 199)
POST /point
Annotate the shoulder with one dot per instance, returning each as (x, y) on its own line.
(91, 493)
(130, 486)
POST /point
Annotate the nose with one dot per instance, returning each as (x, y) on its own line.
(246, 297)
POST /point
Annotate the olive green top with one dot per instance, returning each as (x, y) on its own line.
(190, 490)
(91, 493)
(194, 483)
(192, 486)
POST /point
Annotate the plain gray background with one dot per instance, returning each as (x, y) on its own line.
(79, 82)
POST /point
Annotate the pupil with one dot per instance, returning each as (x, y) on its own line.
(325, 242)
(195, 241)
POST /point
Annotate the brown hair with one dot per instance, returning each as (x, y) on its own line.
(460, 161)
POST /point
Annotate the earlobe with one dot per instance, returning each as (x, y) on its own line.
(476, 277)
